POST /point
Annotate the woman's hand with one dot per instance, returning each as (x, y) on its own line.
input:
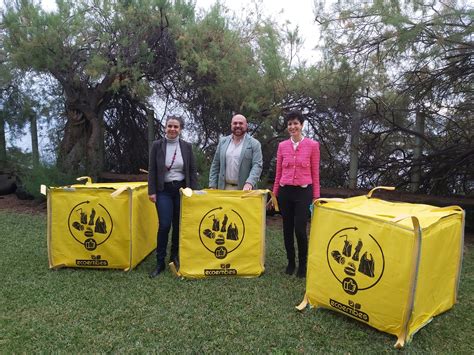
(152, 198)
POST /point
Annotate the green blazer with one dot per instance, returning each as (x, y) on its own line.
(250, 163)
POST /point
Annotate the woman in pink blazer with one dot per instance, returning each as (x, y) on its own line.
(296, 186)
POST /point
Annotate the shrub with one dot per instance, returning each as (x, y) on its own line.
(44, 174)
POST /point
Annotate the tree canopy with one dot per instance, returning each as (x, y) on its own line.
(414, 59)
(390, 101)
(93, 49)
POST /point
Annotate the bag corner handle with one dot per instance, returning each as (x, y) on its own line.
(87, 178)
(390, 188)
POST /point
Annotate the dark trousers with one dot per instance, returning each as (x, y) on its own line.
(168, 207)
(294, 204)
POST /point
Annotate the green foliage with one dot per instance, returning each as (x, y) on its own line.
(111, 311)
(204, 51)
(43, 174)
(94, 50)
(202, 165)
(17, 160)
(385, 59)
(16, 105)
(405, 58)
(233, 65)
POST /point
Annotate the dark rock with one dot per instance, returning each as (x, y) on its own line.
(7, 184)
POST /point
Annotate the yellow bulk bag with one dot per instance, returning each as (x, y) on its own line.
(393, 266)
(222, 233)
(106, 225)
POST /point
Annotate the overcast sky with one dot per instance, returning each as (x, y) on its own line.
(296, 12)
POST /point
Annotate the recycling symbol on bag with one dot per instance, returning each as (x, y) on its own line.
(90, 224)
(221, 231)
(355, 259)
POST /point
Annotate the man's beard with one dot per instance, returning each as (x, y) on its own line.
(238, 132)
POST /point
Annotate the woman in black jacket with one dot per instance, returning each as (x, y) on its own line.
(172, 166)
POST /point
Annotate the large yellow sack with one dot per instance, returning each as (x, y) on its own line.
(106, 225)
(222, 233)
(393, 266)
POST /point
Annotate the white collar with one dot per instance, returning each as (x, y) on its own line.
(235, 142)
(172, 140)
(292, 141)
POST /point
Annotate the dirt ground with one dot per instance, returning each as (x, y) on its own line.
(12, 203)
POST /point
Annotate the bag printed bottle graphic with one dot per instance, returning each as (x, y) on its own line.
(88, 224)
(100, 225)
(359, 264)
(224, 238)
(379, 261)
(222, 233)
(355, 273)
(88, 229)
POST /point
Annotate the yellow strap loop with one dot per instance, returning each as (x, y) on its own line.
(303, 303)
(253, 193)
(323, 200)
(447, 208)
(390, 188)
(273, 199)
(119, 191)
(174, 270)
(400, 342)
(88, 178)
(400, 218)
(188, 192)
(415, 264)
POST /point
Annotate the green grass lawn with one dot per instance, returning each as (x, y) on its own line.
(78, 310)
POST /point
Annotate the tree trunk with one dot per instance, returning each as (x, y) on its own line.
(3, 143)
(34, 140)
(81, 150)
(354, 150)
(73, 144)
(82, 147)
(417, 153)
(95, 148)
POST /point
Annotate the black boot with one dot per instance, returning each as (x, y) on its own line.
(290, 269)
(159, 269)
(301, 273)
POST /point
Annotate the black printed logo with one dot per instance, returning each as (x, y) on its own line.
(223, 271)
(356, 260)
(90, 224)
(221, 231)
(95, 260)
(353, 309)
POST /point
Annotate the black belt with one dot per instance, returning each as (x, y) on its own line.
(175, 183)
(231, 184)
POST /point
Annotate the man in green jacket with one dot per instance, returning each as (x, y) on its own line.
(237, 164)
